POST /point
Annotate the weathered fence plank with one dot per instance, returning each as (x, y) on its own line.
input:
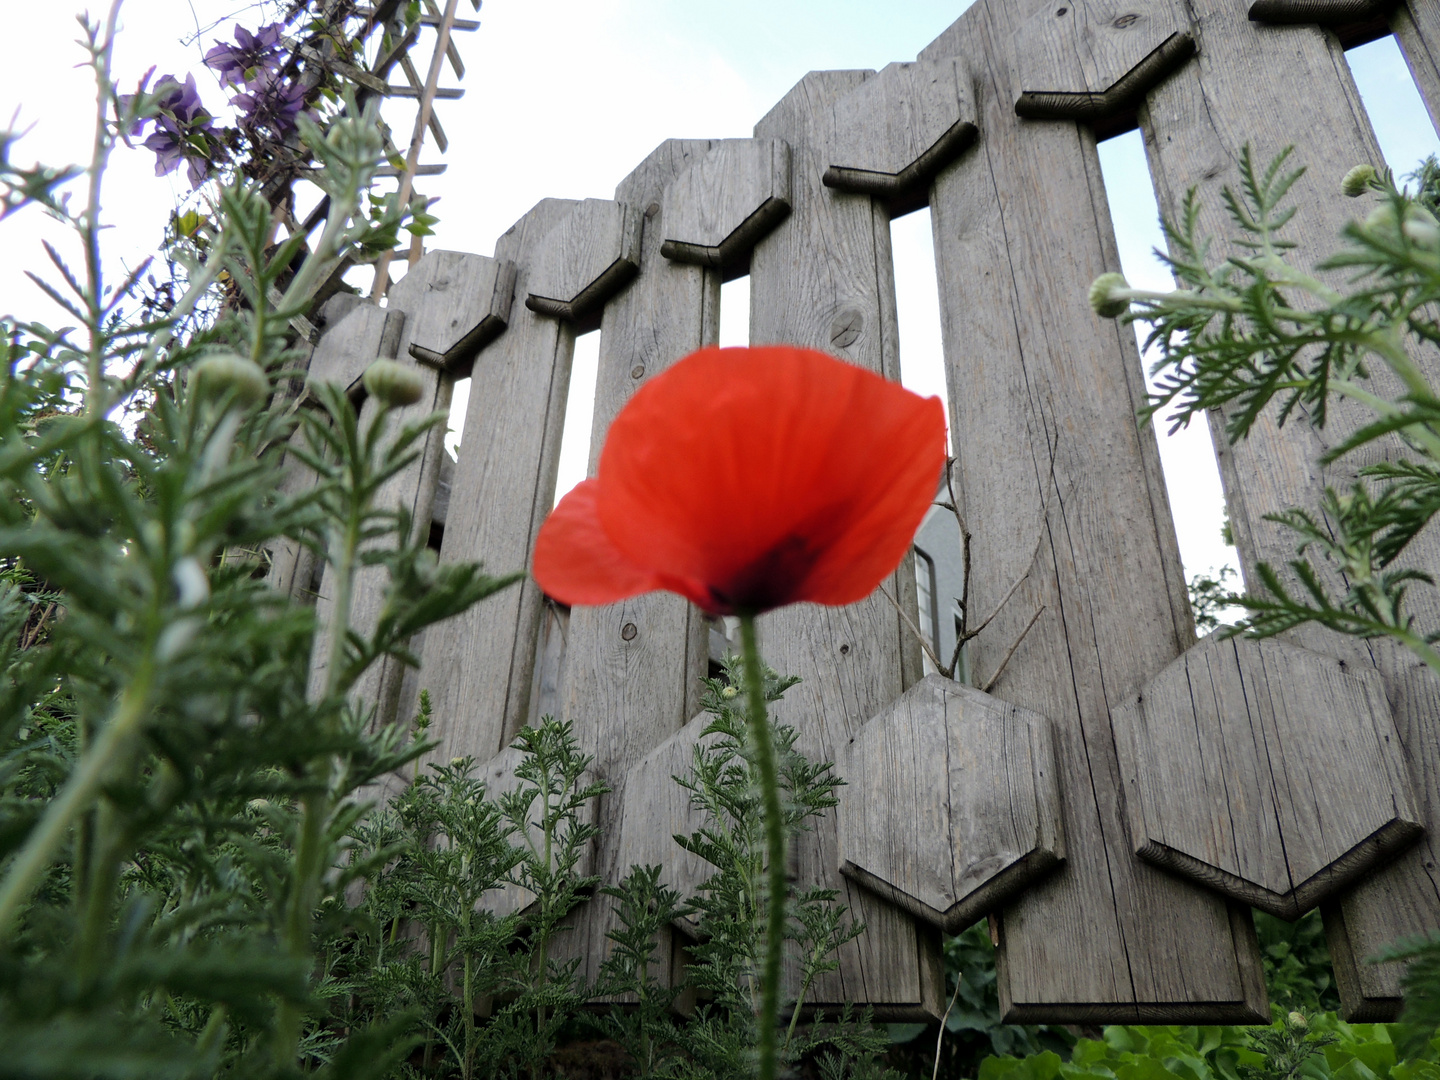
(713, 213)
(1269, 773)
(894, 132)
(445, 300)
(824, 280)
(633, 669)
(1272, 87)
(1417, 28)
(1043, 399)
(951, 805)
(478, 665)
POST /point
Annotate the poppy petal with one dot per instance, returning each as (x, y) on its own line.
(576, 563)
(771, 475)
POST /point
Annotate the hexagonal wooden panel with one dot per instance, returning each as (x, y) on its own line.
(1266, 772)
(951, 804)
(1089, 60)
(585, 260)
(717, 210)
(476, 307)
(895, 131)
(655, 808)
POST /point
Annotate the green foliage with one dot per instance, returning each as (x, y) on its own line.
(972, 1030)
(730, 912)
(1315, 1047)
(176, 799)
(1210, 595)
(1253, 334)
(1297, 962)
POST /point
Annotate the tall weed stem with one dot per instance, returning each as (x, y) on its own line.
(774, 844)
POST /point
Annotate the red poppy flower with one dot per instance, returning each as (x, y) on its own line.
(746, 479)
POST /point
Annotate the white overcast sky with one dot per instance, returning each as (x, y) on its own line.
(563, 98)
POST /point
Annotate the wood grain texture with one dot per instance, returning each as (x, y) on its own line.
(1269, 773)
(479, 665)
(633, 669)
(717, 210)
(481, 292)
(341, 355)
(1416, 26)
(1271, 87)
(894, 132)
(653, 809)
(1090, 45)
(1043, 397)
(1093, 61)
(823, 279)
(585, 259)
(951, 806)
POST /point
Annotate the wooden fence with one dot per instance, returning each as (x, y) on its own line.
(1124, 794)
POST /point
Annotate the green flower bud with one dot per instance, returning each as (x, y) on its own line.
(220, 373)
(1103, 298)
(1421, 228)
(1381, 219)
(456, 762)
(1357, 181)
(729, 692)
(1297, 1021)
(393, 383)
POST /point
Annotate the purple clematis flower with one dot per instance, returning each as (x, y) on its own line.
(270, 102)
(252, 57)
(180, 131)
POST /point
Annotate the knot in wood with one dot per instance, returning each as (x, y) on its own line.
(637, 371)
(844, 650)
(1124, 20)
(1061, 11)
(845, 330)
(628, 631)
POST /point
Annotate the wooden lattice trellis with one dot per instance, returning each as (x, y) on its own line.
(1124, 792)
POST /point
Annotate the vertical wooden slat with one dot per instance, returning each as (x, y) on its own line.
(478, 665)
(1417, 28)
(824, 280)
(633, 669)
(1271, 87)
(1043, 399)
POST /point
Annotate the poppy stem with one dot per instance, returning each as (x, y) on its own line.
(774, 843)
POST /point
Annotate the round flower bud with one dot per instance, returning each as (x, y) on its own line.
(1381, 219)
(1297, 1021)
(1103, 298)
(1357, 180)
(456, 762)
(1421, 228)
(220, 373)
(729, 692)
(393, 383)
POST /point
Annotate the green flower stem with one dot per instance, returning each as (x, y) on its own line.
(774, 844)
(76, 796)
(315, 807)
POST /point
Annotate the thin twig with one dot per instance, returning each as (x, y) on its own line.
(1001, 669)
(940, 1038)
(919, 634)
(1029, 565)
